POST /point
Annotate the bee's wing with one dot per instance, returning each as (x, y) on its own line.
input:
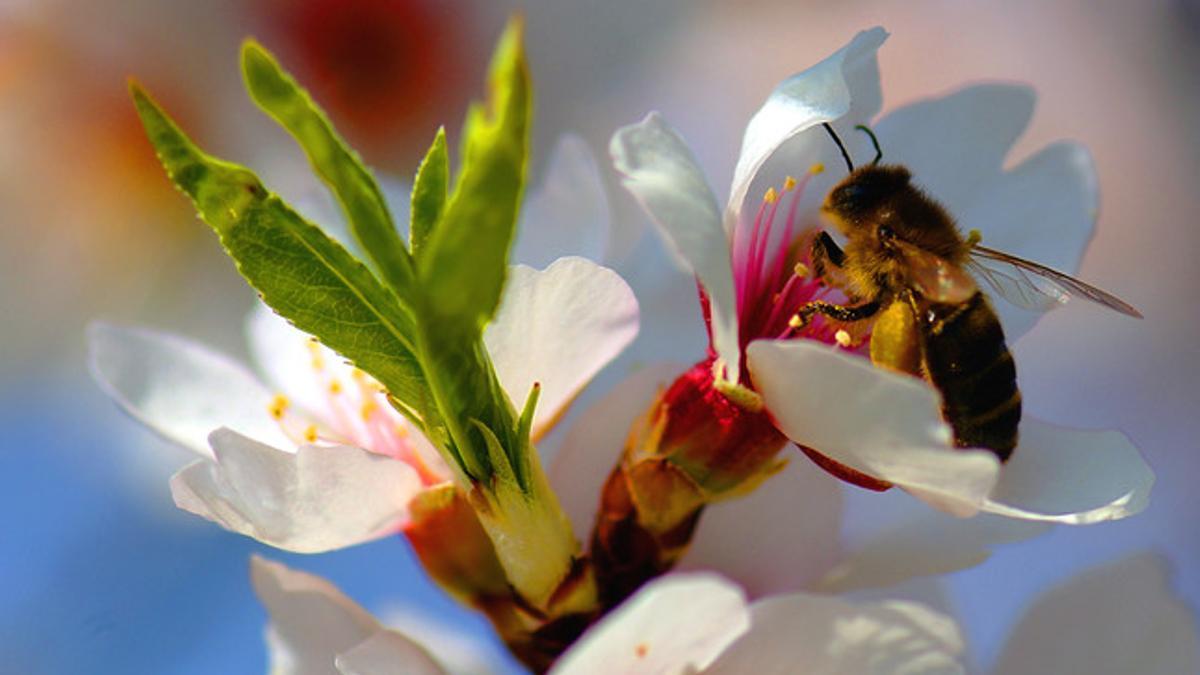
(934, 277)
(1034, 286)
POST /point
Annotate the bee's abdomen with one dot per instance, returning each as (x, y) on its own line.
(970, 364)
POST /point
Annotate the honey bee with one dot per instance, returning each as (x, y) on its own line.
(906, 264)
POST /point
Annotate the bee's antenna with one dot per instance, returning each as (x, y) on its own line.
(874, 142)
(845, 155)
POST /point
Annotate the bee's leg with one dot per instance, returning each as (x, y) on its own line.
(825, 250)
(836, 312)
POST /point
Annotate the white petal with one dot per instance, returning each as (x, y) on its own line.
(1069, 476)
(782, 537)
(567, 214)
(676, 624)
(312, 622)
(657, 167)
(880, 423)
(955, 144)
(593, 444)
(1044, 210)
(559, 327)
(181, 389)
(316, 499)
(929, 545)
(672, 325)
(285, 355)
(819, 635)
(454, 641)
(387, 653)
(823, 93)
(1121, 618)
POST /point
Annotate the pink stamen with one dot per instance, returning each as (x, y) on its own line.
(781, 257)
(760, 252)
(743, 263)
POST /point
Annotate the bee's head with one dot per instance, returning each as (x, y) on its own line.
(864, 196)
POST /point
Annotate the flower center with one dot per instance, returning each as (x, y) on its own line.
(353, 410)
(773, 272)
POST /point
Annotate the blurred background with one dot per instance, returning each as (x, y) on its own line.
(98, 571)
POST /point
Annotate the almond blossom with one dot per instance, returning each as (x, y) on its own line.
(1116, 619)
(811, 383)
(680, 623)
(311, 456)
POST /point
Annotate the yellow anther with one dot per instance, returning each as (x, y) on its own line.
(974, 237)
(800, 270)
(842, 337)
(368, 409)
(357, 374)
(788, 183)
(310, 433)
(314, 350)
(771, 196)
(816, 168)
(402, 430)
(795, 321)
(335, 387)
(278, 406)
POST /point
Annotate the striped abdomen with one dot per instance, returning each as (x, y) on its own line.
(967, 360)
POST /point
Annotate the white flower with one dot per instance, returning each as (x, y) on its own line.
(307, 454)
(1118, 619)
(680, 623)
(858, 420)
(786, 535)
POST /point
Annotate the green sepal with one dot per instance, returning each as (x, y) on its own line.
(278, 94)
(524, 431)
(429, 193)
(502, 477)
(466, 261)
(301, 272)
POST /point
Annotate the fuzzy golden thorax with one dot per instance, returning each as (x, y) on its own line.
(875, 205)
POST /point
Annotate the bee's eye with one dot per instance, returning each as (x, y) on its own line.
(853, 193)
(886, 233)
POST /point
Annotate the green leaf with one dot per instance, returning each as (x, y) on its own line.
(278, 94)
(466, 261)
(429, 193)
(300, 272)
(464, 386)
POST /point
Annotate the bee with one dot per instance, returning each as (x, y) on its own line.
(906, 265)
